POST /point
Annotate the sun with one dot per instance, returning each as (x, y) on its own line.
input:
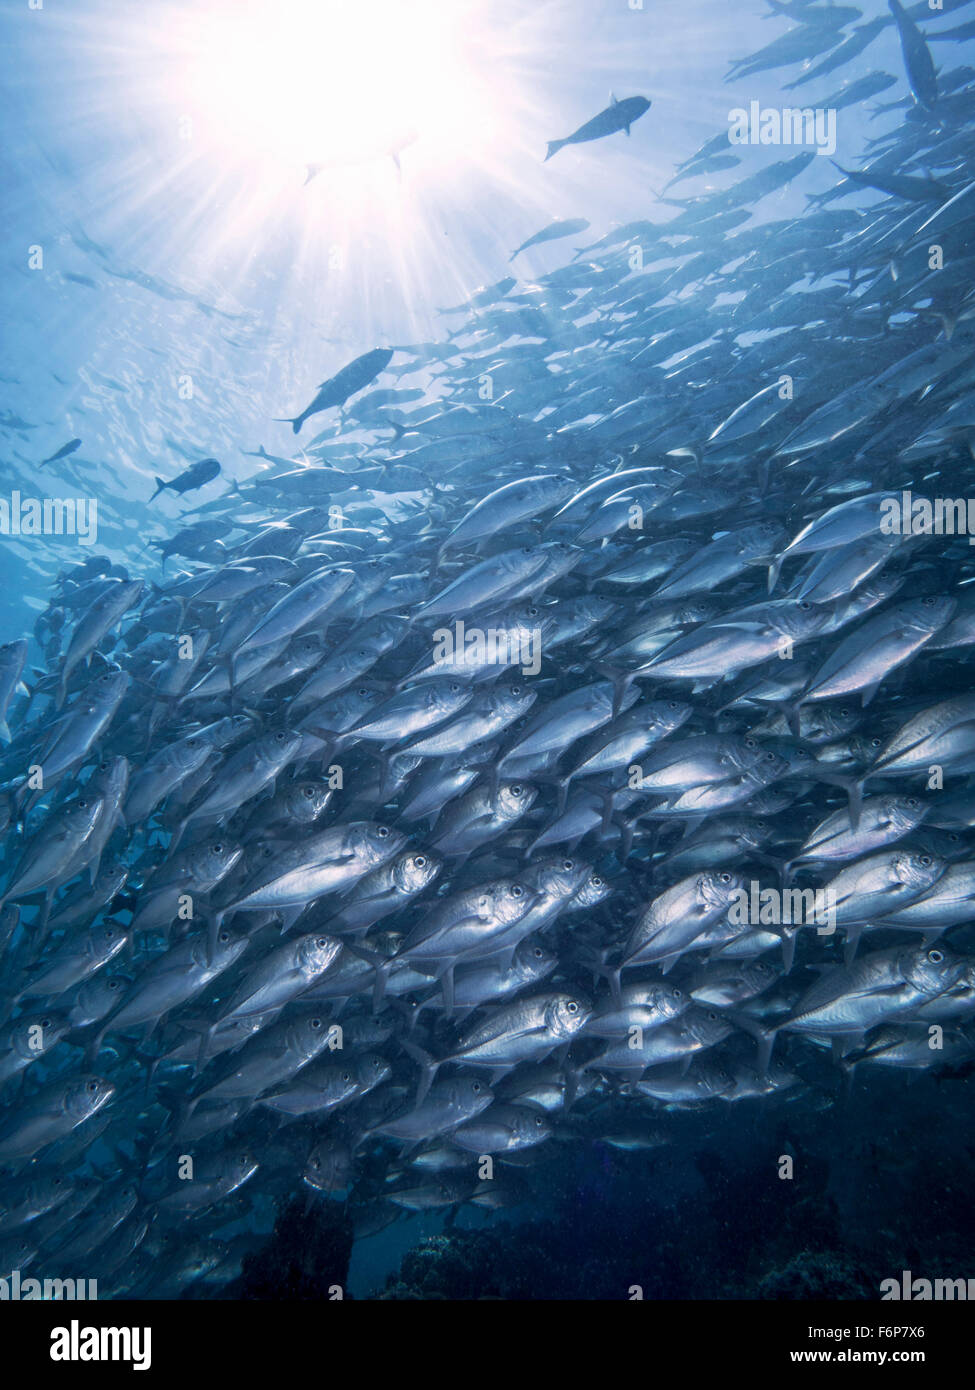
(330, 82)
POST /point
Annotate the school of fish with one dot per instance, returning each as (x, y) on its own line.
(449, 790)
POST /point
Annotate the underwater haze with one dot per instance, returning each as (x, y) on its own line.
(487, 728)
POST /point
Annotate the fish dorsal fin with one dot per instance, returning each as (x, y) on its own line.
(613, 100)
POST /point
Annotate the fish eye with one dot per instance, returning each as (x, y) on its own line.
(750, 743)
(114, 984)
(517, 789)
(91, 1087)
(678, 994)
(724, 878)
(382, 831)
(308, 793)
(712, 1016)
(280, 736)
(596, 881)
(770, 757)
(568, 865)
(516, 690)
(913, 802)
(420, 861)
(538, 1121)
(454, 687)
(925, 861)
(476, 1087)
(572, 1007)
(805, 605)
(935, 956)
(321, 942)
(224, 937)
(218, 848)
(538, 953)
(516, 891)
(316, 1023)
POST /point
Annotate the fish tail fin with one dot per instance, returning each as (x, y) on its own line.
(853, 933)
(553, 148)
(948, 322)
(428, 1068)
(382, 965)
(295, 421)
(788, 950)
(622, 680)
(765, 1037)
(171, 1099)
(848, 1070)
(95, 1046)
(161, 485)
(792, 709)
(627, 829)
(213, 933)
(573, 1075)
